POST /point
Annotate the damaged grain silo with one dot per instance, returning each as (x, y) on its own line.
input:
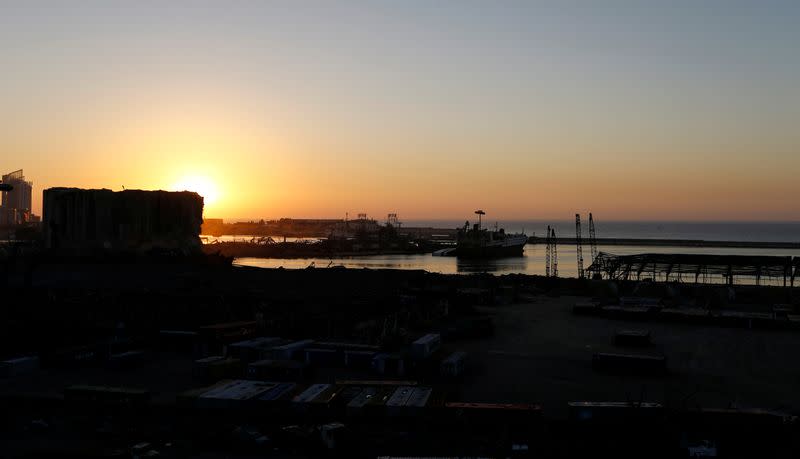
(82, 221)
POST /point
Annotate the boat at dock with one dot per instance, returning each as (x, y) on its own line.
(478, 242)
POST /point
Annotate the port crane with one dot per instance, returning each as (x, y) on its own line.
(554, 253)
(547, 254)
(592, 241)
(579, 244)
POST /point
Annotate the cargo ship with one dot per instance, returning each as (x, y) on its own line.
(478, 242)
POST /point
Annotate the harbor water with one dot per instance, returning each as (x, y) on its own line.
(532, 262)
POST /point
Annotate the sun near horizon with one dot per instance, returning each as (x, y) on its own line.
(677, 111)
(201, 185)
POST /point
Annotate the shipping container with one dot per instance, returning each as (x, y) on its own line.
(311, 393)
(425, 346)
(358, 359)
(355, 405)
(253, 349)
(326, 397)
(292, 350)
(323, 357)
(453, 365)
(389, 364)
(610, 411)
(347, 394)
(280, 392)
(189, 397)
(376, 405)
(234, 393)
(400, 396)
(344, 347)
(316, 400)
(18, 366)
(371, 401)
(239, 389)
(419, 398)
(333, 434)
(397, 401)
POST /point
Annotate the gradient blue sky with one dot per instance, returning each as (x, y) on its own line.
(633, 110)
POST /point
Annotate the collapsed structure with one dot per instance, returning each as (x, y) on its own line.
(80, 221)
(697, 267)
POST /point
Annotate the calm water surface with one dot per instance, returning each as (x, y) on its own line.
(532, 262)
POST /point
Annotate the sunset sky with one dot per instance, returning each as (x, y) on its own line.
(634, 110)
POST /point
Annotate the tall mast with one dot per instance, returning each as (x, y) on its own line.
(592, 238)
(554, 241)
(479, 213)
(547, 254)
(579, 244)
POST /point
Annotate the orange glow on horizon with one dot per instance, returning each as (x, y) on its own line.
(202, 185)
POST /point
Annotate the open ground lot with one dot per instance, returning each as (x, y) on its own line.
(542, 353)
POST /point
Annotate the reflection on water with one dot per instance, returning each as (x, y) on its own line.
(517, 264)
(532, 262)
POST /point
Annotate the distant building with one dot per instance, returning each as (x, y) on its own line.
(212, 226)
(80, 221)
(15, 208)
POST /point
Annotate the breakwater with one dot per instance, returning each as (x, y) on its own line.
(646, 242)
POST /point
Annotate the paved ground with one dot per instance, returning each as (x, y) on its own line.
(542, 353)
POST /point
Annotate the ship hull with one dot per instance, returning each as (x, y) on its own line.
(509, 249)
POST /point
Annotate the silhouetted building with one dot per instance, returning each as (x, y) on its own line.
(212, 226)
(81, 221)
(15, 208)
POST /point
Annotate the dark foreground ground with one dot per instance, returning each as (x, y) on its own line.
(727, 384)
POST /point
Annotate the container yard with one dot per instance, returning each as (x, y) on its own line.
(463, 365)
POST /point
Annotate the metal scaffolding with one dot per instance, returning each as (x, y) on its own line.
(579, 244)
(677, 267)
(592, 238)
(554, 253)
(547, 254)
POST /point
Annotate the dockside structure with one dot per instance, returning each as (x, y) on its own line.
(697, 267)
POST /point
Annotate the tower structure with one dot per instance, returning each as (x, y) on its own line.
(592, 238)
(547, 254)
(15, 199)
(554, 253)
(579, 245)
